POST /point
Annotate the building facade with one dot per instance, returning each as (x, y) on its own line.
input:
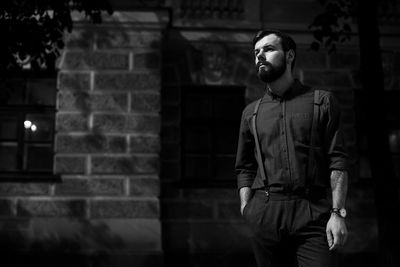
(140, 126)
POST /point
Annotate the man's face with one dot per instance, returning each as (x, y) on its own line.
(270, 59)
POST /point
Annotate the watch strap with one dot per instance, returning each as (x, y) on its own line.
(337, 212)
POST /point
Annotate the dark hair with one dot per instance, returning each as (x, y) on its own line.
(287, 42)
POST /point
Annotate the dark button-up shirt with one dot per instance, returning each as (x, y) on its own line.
(284, 130)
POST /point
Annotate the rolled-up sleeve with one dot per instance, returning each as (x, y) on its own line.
(335, 145)
(246, 163)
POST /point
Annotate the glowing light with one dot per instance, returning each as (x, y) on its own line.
(33, 127)
(27, 124)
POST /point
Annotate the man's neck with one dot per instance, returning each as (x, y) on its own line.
(280, 86)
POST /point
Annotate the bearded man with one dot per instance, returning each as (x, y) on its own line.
(291, 155)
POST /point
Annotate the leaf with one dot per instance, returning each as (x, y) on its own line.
(332, 49)
(346, 27)
(60, 44)
(328, 42)
(33, 33)
(318, 35)
(315, 46)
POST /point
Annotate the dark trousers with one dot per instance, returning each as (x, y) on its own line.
(289, 230)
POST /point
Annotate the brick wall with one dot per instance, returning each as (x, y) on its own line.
(105, 209)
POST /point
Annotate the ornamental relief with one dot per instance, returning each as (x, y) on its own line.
(218, 64)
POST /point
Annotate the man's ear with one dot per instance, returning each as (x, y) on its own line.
(290, 56)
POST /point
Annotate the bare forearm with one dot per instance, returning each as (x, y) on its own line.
(339, 188)
(336, 230)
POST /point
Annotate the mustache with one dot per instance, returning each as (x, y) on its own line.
(263, 63)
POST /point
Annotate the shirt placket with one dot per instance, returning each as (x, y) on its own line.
(285, 146)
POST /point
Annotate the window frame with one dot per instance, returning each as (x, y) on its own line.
(22, 110)
(211, 91)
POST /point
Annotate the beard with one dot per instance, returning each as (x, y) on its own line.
(267, 73)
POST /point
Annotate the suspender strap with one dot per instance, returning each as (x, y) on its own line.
(313, 137)
(257, 143)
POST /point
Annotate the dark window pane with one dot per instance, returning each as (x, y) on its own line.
(39, 158)
(8, 126)
(41, 127)
(197, 106)
(8, 156)
(225, 166)
(197, 139)
(197, 167)
(42, 92)
(228, 107)
(211, 119)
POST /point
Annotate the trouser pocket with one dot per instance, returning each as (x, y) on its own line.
(319, 209)
(255, 209)
(246, 208)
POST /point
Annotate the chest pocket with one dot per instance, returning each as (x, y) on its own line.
(300, 125)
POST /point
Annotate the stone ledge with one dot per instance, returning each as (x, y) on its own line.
(157, 19)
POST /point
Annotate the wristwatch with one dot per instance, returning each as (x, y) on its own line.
(340, 212)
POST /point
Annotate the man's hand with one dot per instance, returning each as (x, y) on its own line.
(245, 195)
(336, 232)
(242, 206)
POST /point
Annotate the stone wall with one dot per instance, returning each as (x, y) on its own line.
(105, 210)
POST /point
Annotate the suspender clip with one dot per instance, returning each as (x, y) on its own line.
(267, 194)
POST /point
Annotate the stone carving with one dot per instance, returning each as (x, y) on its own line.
(209, 64)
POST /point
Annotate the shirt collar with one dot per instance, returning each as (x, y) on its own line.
(292, 91)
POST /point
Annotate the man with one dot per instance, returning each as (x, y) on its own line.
(302, 155)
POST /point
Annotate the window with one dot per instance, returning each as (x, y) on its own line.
(27, 110)
(210, 126)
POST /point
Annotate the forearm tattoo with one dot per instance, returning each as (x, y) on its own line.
(339, 188)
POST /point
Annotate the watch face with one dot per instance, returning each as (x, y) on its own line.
(343, 212)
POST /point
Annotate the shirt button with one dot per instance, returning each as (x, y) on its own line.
(281, 116)
(283, 133)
